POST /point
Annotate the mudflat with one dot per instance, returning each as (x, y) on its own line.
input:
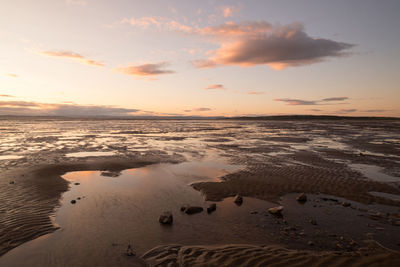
(81, 196)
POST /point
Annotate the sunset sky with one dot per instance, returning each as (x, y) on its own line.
(207, 58)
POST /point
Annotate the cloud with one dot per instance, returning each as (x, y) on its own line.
(374, 110)
(72, 55)
(335, 99)
(13, 75)
(351, 110)
(46, 109)
(255, 93)
(148, 69)
(6, 96)
(76, 2)
(203, 63)
(296, 102)
(302, 102)
(215, 87)
(160, 23)
(202, 109)
(229, 11)
(260, 43)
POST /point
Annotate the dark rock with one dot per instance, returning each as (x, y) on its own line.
(193, 209)
(73, 201)
(238, 200)
(276, 210)
(313, 222)
(310, 243)
(301, 198)
(254, 212)
(166, 218)
(77, 183)
(346, 204)
(110, 173)
(12, 182)
(79, 198)
(129, 252)
(329, 199)
(212, 207)
(183, 208)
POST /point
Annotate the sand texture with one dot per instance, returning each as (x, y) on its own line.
(247, 255)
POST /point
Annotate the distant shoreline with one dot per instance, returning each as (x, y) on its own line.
(273, 117)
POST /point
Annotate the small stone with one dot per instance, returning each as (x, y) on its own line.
(129, 252)
(238, 200)
(301, 198)
(12, 182)
(254, 212)
(313, 222)
(276, 210)
(166, 218)
(346, 204)
(79, 198)
(183, 208)
(212, 207)
(193, 210)
(310, 243)
(77, 183)
(73, 201)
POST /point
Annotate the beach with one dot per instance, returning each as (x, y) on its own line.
(80, 192)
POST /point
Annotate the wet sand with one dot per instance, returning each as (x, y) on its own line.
(356, 163)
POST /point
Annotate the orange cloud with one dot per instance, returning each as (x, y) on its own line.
(260, 43)
(72, 55)
(146, 69)
(13, 75)
(160, 23)
(229, 11)
(215, 87)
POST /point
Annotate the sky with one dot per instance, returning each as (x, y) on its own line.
(199, 58)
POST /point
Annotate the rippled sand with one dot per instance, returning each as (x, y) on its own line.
(273, 161)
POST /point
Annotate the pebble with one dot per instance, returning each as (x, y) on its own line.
(73, 201)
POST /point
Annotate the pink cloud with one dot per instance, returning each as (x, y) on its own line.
(146, 69)
(215, 87)
(72, 55)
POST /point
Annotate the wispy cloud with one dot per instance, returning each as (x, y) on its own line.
(229, 11)
(13, 75)
(350, 110)
(6, 96)
(375, 110)
(335, 99)
(198, 109)
(255, 93)
(160, 23)
(302, 102)
(73, 56)
(46, 109)
(149, 69)
(215, 87)
(296, 102)
(76, 2)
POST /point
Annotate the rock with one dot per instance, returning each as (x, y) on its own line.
(313, 222)
(79, 198)
(129, 252)
(193, 209)
(212, 207)
(310, 243)
(254, 212)
(238, 200)
(276, 210)
(73, 201)
(301, 198)
(12, 182)
(166, 218)
(346, 204)
(183, 208)
(77, 183)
